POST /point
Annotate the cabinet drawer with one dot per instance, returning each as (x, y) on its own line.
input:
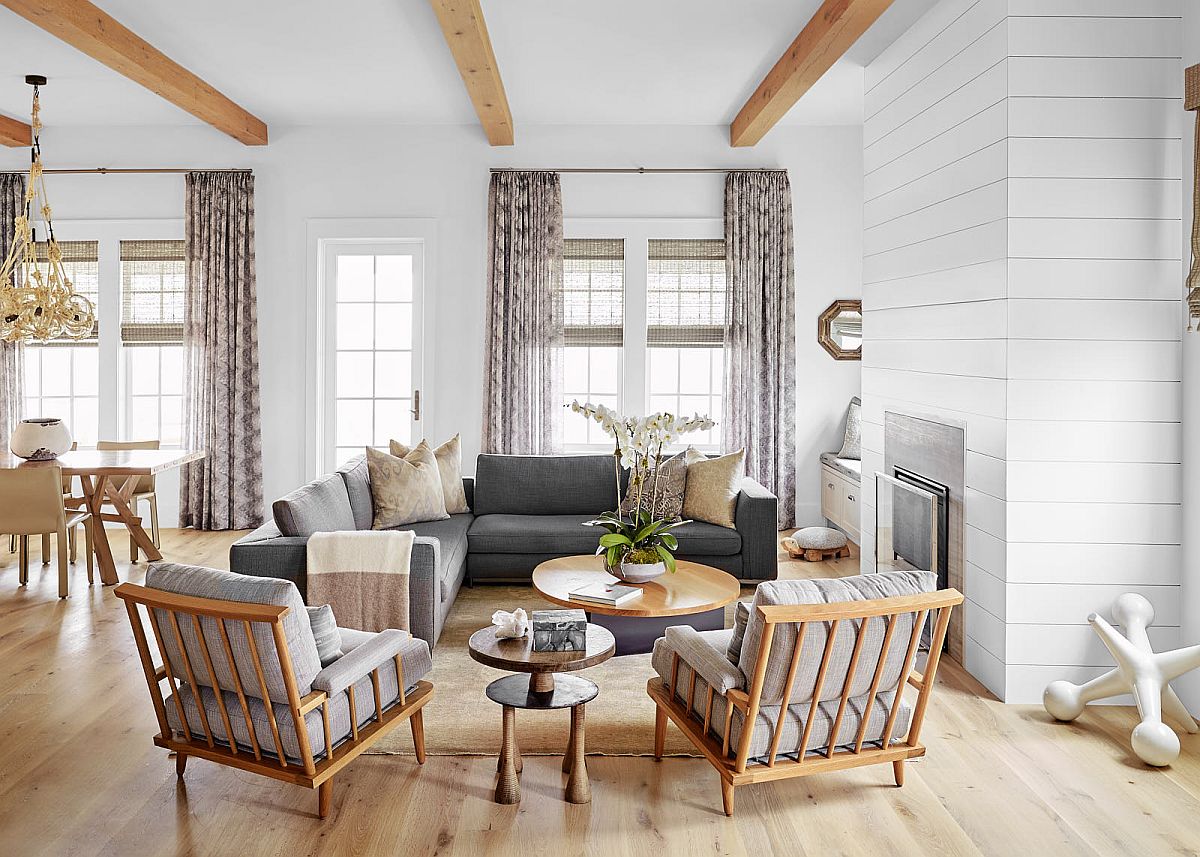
(832, 494)
(850, 505)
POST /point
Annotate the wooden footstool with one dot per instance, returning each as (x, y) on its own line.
(817, 543)
(547, 688)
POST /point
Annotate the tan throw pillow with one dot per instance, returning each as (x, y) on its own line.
(405, 490)
(449, 461)
(712, 486)
(672, 480)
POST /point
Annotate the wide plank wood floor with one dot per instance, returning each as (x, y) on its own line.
(79, 776)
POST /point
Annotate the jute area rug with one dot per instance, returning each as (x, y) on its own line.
(461, 721)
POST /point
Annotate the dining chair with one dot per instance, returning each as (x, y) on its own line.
(31, 503)
(143, 490)
(810, 679)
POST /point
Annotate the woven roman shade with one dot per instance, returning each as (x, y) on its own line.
(594, 292)
(81, 263)
(685, 293)
(152, 295)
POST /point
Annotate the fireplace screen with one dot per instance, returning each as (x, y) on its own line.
(908, 535)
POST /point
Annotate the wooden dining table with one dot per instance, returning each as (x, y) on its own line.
(109, 476)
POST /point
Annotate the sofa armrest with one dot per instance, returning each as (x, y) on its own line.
(424, 588)
(357, 664)
(708, 663)
(756, 518)
(469, 490)
(266, 553)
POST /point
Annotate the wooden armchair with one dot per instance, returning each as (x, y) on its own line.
(245, 664)
(840, 652)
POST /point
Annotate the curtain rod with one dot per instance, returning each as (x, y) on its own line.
(104, 171)
(645, 170)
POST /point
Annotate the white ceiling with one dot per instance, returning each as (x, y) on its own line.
(563, 62)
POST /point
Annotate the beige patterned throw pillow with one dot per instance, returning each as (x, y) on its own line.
(449, 461)
(405, 490)
(712, 486)
(672, 481)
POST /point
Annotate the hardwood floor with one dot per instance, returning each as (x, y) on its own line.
(79, 776)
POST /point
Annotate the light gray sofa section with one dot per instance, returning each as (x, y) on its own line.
(342, 501)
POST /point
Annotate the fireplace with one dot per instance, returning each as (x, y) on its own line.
(919, 504)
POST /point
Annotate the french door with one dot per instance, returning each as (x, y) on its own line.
(372, 347)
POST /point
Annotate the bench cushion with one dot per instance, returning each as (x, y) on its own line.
(851, 468)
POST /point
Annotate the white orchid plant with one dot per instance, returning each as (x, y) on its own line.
(638, 448)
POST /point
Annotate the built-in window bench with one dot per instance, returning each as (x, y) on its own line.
(840, 482)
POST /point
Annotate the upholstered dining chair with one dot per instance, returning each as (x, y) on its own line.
(143, 490)
(246, 683)
(810, 679)
(31, 503)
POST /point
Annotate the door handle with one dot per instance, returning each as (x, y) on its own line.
(416, 406)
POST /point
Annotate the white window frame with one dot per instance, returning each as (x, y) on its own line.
(324, 235)
(636, 233)
(112, 384)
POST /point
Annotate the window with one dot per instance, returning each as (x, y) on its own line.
(685, 329)
(152, 310)
(62, 377)
(594, 324)
(375, 342)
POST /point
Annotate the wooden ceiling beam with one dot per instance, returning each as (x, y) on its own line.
(466, 33)
(14, 132)
(93, 31)
(824, 39)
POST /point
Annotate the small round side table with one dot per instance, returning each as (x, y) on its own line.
(548, 688)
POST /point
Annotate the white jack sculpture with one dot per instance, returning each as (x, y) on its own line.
(1140, 671)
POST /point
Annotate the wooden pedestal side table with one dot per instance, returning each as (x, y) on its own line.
(548, 687)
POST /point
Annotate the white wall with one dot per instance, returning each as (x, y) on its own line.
(442, 173)
(1041, 152)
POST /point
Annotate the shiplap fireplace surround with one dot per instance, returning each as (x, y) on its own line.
(1022, 275)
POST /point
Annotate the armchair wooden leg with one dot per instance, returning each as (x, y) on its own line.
(418, 733)
(324, 798)
(180, 764)
(23, 559)
(62, 562)
(660, 731)
(898, 772)
(727, 796)
(45, 548)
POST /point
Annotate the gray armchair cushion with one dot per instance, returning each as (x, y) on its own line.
(741, 618)
(860, 587)
(227, 586)
(566, 534)
(321, 506)
(544, 485)
(325, 632)
(707, 659)
(379, 651)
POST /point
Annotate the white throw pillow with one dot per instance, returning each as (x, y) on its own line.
(449, 461)
(712, 487)
(405, 490)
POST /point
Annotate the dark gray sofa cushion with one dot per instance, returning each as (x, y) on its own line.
(358, 490)
(452, 533)
(321, 506)
(544, 485)
(566, 534)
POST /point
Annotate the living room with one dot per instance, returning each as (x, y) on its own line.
(965, 271)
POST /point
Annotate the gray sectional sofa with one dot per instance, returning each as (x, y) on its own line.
(524, 510)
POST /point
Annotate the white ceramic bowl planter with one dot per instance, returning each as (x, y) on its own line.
(40, 439)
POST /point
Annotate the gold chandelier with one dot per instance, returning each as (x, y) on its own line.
(37, 300)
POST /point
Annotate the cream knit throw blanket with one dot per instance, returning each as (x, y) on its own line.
(363, 576)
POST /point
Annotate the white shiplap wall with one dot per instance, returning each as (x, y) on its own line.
(1021, 259)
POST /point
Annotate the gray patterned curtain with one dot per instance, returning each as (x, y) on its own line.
(760, 340)
(12, 370)
(221, 400)
(522, 399)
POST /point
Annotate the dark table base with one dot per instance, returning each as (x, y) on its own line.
(635, 635)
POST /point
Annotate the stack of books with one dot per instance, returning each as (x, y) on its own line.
(608, 594)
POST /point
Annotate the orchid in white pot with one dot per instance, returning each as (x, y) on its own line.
(639, 547)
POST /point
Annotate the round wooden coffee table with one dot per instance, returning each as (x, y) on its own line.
(693, 595)
(547, 688)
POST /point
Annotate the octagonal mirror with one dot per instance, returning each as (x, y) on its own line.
(839, 330)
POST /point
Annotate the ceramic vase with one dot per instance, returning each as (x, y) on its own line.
(638, 572)
(40, 439)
